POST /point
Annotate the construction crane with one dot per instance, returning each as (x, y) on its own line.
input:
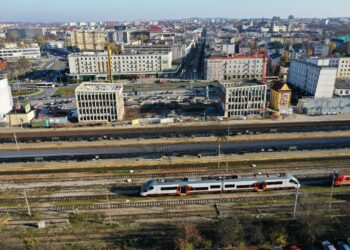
(110, 76)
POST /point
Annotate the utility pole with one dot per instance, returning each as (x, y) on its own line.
(14, 135)
(228, 133)
(219, 154)
(109, 207)
(296, 203)
(331, 200)
(27, 203)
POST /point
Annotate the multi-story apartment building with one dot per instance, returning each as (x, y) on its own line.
(179, 51)
(95, 65)
(11, 54)
(236, 67)
(344, 67)
(88, 40)
(321, 50)
(242, 98)
(99, 102)
(315, 77)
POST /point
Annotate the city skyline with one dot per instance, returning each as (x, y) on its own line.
(121, 10)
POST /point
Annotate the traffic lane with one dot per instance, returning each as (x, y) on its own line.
(186, 149)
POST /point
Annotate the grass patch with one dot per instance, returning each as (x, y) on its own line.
(24, 92)
(165, 86)
(65, 91)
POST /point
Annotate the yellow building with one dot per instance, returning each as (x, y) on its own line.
(20, 116)
(281, 96)
(88, 40)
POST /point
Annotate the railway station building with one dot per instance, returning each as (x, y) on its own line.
(241, 99)
(99, 102)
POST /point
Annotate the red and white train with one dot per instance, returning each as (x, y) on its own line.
(188, 186)
(342, 178)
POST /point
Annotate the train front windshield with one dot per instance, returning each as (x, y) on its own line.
(147, 187)
(295, 181)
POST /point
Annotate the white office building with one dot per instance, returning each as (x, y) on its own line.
(96, 64)
(6, 102)
(99, 102)
(314, 77)
(12, 54)
(242, 98)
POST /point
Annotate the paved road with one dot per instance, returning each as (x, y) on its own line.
(178, 149)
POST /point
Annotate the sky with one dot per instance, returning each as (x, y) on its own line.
(124, 10)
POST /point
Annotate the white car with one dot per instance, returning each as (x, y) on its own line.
(327, 245)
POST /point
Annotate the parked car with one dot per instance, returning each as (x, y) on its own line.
(327, 245)
(343, 246)
(294, 247)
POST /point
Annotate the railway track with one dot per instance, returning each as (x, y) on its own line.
(188, 149)
(146, 204)
(162, 203)
(70, 198)
(207, 213)
(325, 168)
(218, 129)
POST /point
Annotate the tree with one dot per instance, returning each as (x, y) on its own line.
(309, 52)
(285, 57)
(188, 238)
(40, 40)
(13, 36)
(253, 231)
(311, 226)
(114, 48)
(332, 46)
(230, 232)
(143, 38)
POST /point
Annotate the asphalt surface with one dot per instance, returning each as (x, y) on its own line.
(177, 149)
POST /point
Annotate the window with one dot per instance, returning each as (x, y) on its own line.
(293, 181)
(168, 188)
(198, 188)
(274, 183)
(230, 186)
(215, 186)
(149, 189)
(244, 186)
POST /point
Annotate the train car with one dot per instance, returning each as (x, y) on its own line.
(342, 178)
(189, 186)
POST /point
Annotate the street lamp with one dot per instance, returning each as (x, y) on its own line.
(333, 173)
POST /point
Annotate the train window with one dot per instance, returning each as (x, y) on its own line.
(149, 189)
(274, 183)
(215, 186)
(244, 186)
(168, 188)
(293, 181)
(198, 188)
(347, 178)
(230, 186)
